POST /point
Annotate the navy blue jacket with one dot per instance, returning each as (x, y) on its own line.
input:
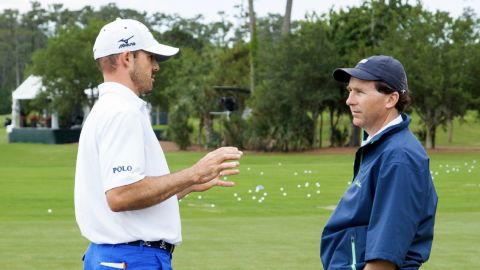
(388, 211)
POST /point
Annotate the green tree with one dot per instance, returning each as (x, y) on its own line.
(315, 57)
(67, 68)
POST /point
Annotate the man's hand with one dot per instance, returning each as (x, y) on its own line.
(380, 265)
(208, 185)
(220, 162)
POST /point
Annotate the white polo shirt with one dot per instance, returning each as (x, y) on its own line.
(118, 147)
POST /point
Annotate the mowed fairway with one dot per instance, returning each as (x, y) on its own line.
(277, 227)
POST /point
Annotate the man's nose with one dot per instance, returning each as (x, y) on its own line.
(156, 66)
(349, 100)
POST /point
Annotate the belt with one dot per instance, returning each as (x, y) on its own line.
(153, 244)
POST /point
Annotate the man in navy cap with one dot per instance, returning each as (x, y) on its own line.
(385, 219)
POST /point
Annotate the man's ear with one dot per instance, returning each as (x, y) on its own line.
(125, 59)
(392, 100)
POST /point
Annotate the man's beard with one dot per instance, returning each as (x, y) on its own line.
(141, 82)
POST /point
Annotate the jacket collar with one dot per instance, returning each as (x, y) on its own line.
(404, 124)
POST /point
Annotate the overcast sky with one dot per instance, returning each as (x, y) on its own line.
(210, 8)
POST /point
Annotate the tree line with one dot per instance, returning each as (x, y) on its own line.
(277, 69)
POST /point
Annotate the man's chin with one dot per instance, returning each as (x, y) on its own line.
(146, 92)
(356, 122)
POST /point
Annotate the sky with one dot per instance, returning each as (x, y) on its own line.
(210, 8)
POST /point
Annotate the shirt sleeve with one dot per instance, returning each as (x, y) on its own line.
(396, 213)
(121, 150)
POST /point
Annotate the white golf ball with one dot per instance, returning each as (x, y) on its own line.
(308, 195)
(212, 205)
(284, 194)
(239, 199)
(49, 210)
(235, 194)
(199, 197)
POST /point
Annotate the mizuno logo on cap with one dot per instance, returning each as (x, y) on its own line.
(126, 42)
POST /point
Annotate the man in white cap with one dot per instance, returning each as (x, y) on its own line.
(126, 199)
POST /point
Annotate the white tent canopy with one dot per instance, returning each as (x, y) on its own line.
(29, 89)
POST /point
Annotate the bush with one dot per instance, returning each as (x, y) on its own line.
(179, 129)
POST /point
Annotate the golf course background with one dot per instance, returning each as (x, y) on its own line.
(221, 231)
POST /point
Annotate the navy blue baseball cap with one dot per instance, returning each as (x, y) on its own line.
(376, 68)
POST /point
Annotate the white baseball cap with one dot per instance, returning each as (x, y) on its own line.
(129, 35)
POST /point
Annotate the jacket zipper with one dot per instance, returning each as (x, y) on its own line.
(354, 256)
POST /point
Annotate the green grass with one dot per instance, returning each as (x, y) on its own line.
(278, 233)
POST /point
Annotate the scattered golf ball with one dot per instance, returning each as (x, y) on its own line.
(295, 173)
(239, 199)
(299, 186)
(308, 195)
(249, 191)
(281, 189)
(318, 191)
(248, 169)
(49, 210)
(307, 184)
(279, 164)
(254, 197)
(199, 197)
(284, 194)
(317, 184)
(265, 194)
(212, 205)
(261, 173)
(235, 194)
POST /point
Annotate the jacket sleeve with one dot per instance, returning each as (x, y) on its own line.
(396, 213)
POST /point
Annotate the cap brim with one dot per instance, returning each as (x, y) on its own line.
(344, 75)
(162, 52)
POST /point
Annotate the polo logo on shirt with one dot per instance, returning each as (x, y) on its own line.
(122, 168)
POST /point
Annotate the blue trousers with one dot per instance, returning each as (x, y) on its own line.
(109, 257)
